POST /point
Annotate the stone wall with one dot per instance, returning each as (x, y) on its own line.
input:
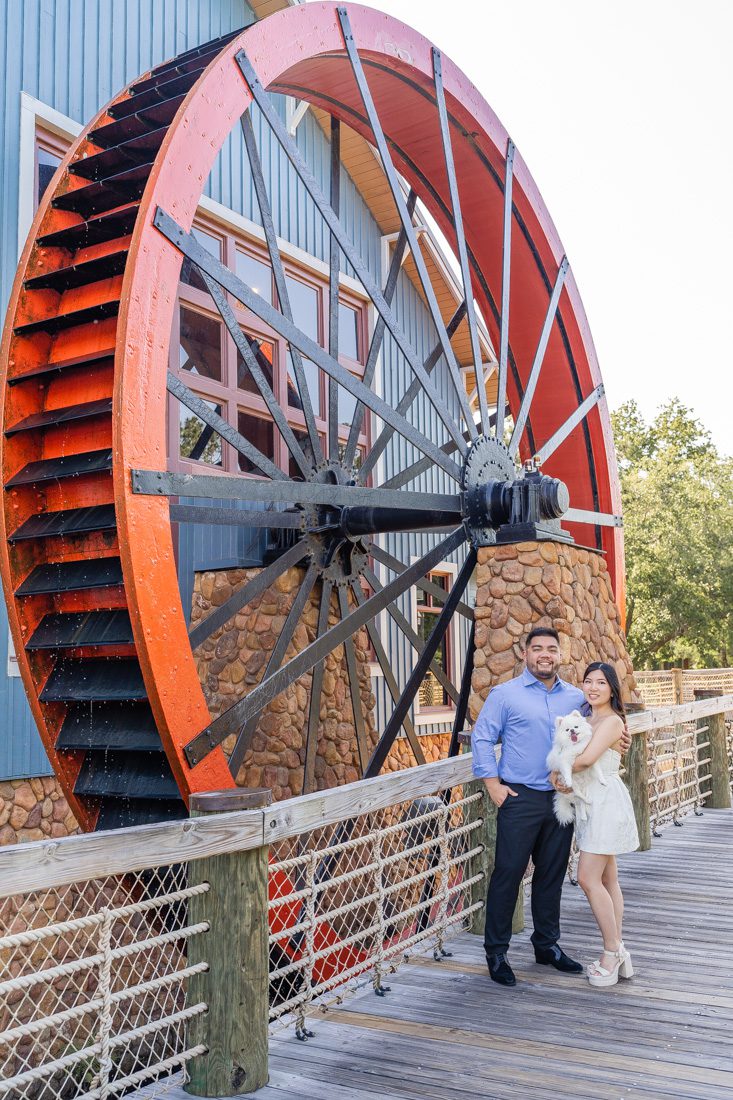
(545, 584)
(232, 661)
(34, 809)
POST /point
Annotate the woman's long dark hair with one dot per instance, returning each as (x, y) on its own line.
(613, 682)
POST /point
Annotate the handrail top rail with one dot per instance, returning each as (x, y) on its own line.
(44, 864)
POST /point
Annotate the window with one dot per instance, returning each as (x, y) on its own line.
(432, 696)
(206, 358)
(49, 152)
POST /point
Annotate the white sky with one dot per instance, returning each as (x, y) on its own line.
(623, 111)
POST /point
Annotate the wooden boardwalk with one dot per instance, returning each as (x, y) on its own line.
(446, 1032)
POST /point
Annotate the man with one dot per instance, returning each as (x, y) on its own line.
(521, 714)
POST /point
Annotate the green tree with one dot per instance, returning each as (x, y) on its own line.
(677, 493)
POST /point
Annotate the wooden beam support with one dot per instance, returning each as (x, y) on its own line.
(236, 984)
(718, 768)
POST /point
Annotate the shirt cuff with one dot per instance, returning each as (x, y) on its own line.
(485, 771)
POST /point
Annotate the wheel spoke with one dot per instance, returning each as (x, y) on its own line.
(235, 517)
(189, 246)
(506, 267)
(262, 100)
(378, 335)
(314, 706)
(389, 677)
(538, 359)
(399, 200)
(247, 731)
(258, 375)
(423, 664)
(572, 422)
(450, 169)
(462, 708)
(333, 289)
(256, 490)
(244, 595)
(406, 401)
(397, 566)
(359, 727)
(217, 424)
(412, 636)
(270, 687)
(281, 285)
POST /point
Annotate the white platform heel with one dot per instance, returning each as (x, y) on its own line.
(626, 970)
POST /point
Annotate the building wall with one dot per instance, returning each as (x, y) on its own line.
(74, 55)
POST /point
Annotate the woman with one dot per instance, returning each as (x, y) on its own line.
(610, 827)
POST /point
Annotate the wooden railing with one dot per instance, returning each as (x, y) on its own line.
(669, 686)
(171, 948)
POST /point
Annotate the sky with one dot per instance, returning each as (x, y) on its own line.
(623, 112)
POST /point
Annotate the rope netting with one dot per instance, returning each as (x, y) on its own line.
(92, 986)
(679, 773)
(350, 902)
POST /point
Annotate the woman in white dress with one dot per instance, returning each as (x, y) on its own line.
(610, 827)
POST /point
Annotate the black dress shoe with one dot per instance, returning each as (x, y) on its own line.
(555, 956)
(500, 970)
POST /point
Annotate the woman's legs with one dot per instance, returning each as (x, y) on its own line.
(591, 868)
(610, 881)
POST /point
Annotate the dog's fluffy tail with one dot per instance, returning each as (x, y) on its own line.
(563, 808)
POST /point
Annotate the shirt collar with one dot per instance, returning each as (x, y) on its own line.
(529, 680)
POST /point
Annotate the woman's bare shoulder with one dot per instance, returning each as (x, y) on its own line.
(610, 724)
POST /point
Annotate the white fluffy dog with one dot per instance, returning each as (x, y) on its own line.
(572, 734)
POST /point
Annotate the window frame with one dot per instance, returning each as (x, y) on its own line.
(443, 714)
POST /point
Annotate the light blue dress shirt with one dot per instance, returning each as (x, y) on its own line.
(521, 715)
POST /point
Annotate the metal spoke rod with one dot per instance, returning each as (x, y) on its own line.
(350, 251)
(191, 247)
(506, 262)
(281, 286)
(450, 169)
(572, 422)
(538, 358)
(233, 719)
(255, 369)
(378, 335)
(418, 673)
(394, 186)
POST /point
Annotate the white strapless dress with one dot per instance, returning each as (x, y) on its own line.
(610, 827)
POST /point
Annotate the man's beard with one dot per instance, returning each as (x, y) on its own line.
(544, 674)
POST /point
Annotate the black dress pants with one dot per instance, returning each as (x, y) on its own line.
(526, 826)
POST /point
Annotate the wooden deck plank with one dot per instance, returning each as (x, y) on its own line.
(446, 1032)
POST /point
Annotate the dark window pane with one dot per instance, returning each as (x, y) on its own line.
(347, 406)
(256, 275)
(304, 305)
(198, 441)
(200, 344)
(293, 468)
(189, 271)
(311, 377)
(263, 353)
(348, 332)
(47, 165)
(258, 432)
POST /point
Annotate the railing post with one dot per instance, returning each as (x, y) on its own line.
(717, 769)
(235, 986)
(637, 772)
(677, 685)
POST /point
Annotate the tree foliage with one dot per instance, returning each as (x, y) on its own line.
(677, 493)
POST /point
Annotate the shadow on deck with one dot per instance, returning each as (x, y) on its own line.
(446, 1032)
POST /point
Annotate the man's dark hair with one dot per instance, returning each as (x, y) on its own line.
(542, 632)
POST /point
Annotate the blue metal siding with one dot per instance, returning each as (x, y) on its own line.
(74, 55)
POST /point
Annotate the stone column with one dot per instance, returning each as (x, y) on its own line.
(545, 584)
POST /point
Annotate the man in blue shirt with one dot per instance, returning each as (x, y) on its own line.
(521, 715)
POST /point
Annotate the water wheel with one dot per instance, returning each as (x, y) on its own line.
(105, 648)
